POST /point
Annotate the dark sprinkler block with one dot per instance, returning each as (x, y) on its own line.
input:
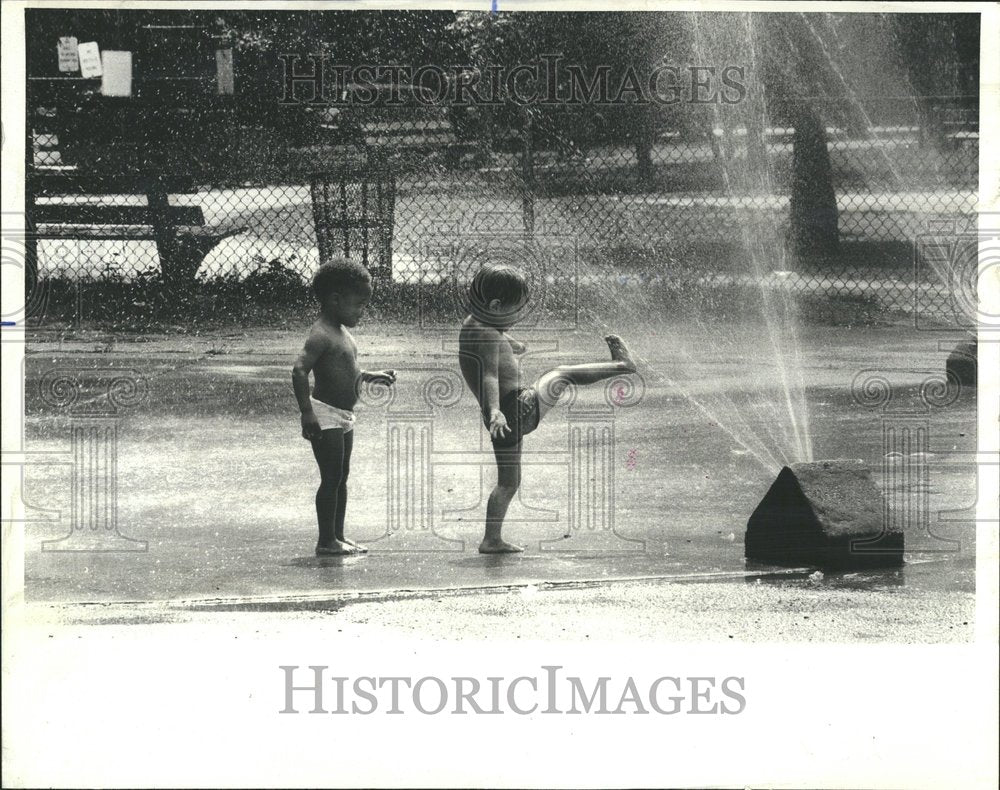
(827, 514)
(961, 363)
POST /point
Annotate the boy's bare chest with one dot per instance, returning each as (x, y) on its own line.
(507, 364)
(341, 355)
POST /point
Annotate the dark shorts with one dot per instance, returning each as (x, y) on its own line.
(522, 417)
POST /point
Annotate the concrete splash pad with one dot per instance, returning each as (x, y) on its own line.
(215, 481)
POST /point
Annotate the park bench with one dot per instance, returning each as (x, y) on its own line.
(63, 203)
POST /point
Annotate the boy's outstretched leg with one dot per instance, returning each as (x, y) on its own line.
(551, 385)
(329, 452)
(508, 479)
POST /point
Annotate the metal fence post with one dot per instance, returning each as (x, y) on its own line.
(527, 173)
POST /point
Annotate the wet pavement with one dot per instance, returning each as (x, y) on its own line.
(256, 578)
(214, 486)
(907, 605)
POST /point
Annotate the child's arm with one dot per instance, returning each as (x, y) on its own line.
(387, 377)
(490, 358)
(516, 345)
(315, 345)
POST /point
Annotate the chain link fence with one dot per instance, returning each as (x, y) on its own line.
(420, 200)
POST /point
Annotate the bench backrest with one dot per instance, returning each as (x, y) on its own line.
(110, 214)
(61, 190)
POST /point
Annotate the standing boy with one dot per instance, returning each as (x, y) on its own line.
(498, 296)
(342, 288)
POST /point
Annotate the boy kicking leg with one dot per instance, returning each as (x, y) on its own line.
(550, 386)
(523, 410)
(498, 295)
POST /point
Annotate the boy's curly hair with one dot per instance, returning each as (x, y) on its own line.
(498, 281)
(339, 275)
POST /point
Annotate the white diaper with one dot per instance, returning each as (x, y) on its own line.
(331, 417)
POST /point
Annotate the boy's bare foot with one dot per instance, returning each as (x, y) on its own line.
(619, 351)
(356, 546)
(336, 549)
(498, 547)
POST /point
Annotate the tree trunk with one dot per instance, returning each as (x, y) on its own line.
(932, 130)
(814, 215)
(757, 161)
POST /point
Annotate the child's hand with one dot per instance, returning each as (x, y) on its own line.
(310, 426)
(517, 346)
(387, 377)
(498, 425)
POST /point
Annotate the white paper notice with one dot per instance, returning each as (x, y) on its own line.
(90, 59)
(69, 59)
(224, 72)
(117, 66)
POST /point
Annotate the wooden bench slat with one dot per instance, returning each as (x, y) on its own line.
(133, 232)
(85, 214)
(95, 233)
(57, 182)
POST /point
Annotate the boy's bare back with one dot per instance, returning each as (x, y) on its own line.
(484, 354)
(332, 355)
